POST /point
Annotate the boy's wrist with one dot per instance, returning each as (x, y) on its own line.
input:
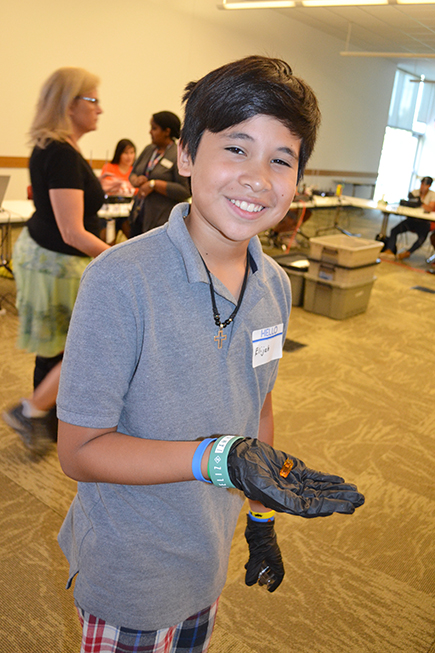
(200, 460)
(218, 460)
(210, 460)
(205, 459)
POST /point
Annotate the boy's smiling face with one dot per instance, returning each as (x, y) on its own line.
(243, 178)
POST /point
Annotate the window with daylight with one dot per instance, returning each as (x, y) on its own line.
(408, 137)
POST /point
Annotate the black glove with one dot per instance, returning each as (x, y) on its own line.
(254, 468)
(263, 552)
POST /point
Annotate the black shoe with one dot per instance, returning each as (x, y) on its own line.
(33, 431)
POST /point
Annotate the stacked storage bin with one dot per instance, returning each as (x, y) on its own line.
(296, 266)
(341, 275)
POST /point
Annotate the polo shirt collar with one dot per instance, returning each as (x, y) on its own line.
(193, 263)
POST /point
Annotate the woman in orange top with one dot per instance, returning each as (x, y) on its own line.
(114, 181)
(114, 175)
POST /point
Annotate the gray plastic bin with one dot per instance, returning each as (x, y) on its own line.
(296, 266)
(335, 300)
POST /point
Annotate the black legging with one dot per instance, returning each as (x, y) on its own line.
(419, 227)
(43, 366)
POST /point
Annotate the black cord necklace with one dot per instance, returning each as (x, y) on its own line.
(217, 318)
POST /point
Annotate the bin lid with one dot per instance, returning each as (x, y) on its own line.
(349, 243)
(327, 264)
(297, 262)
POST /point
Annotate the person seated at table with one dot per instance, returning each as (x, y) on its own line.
(415, 225)
(115, 174)
(115, 181)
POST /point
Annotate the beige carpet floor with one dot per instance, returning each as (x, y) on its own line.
(357, 400)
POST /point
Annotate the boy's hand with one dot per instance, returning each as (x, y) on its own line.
(254, 468)
(263, 552)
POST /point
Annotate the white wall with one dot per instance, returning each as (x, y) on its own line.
(145, 51)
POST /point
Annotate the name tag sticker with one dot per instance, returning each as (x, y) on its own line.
(166, 163)
(266, 345)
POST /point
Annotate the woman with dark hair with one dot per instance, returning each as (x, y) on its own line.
(115, 182)
(115, 175)
(155, 175)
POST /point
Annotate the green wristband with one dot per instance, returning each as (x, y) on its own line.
(218, 461)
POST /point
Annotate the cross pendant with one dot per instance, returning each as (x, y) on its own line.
(220, 338)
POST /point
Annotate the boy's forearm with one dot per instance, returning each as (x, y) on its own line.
(106, 456)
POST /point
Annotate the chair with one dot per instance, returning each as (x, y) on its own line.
(284, 233)
(431, 257)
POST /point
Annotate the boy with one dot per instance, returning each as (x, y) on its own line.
(176, 336)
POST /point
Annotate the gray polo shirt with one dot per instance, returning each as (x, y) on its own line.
(141, 353)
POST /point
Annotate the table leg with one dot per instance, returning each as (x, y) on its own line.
(384, 224)
(5, 253)
(110, 230)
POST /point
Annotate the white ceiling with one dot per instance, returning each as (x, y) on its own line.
(407, 29)
(392, 28)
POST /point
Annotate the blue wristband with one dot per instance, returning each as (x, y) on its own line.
(197, 458)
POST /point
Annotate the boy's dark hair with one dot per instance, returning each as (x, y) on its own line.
(167, 119)
(427, 180)
(246, 88)
(120, 148)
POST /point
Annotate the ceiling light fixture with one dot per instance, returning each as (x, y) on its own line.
(266, 4)
(342, 3)
(284, 4)
(391, 55)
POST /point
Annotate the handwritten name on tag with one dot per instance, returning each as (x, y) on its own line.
(266, 345)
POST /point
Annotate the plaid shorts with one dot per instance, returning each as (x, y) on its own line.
(190, 636)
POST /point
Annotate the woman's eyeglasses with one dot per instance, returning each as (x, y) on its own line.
(94, 100)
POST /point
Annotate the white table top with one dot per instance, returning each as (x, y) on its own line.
(19, 211)
(16, 211)
(111, 211)
(319, 202)
(408, 211)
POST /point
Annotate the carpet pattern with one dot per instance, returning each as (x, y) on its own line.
(357, 400)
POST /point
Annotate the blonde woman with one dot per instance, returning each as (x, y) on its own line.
(58, 242)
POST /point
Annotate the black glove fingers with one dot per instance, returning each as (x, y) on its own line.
(312, 474)
(356, 498)
(276, 583)
(254, 467)
(324, 506)
(330, 487)
(263, 552)
(252, 571)
(341, 492)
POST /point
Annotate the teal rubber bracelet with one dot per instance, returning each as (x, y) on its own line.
(218, 461)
